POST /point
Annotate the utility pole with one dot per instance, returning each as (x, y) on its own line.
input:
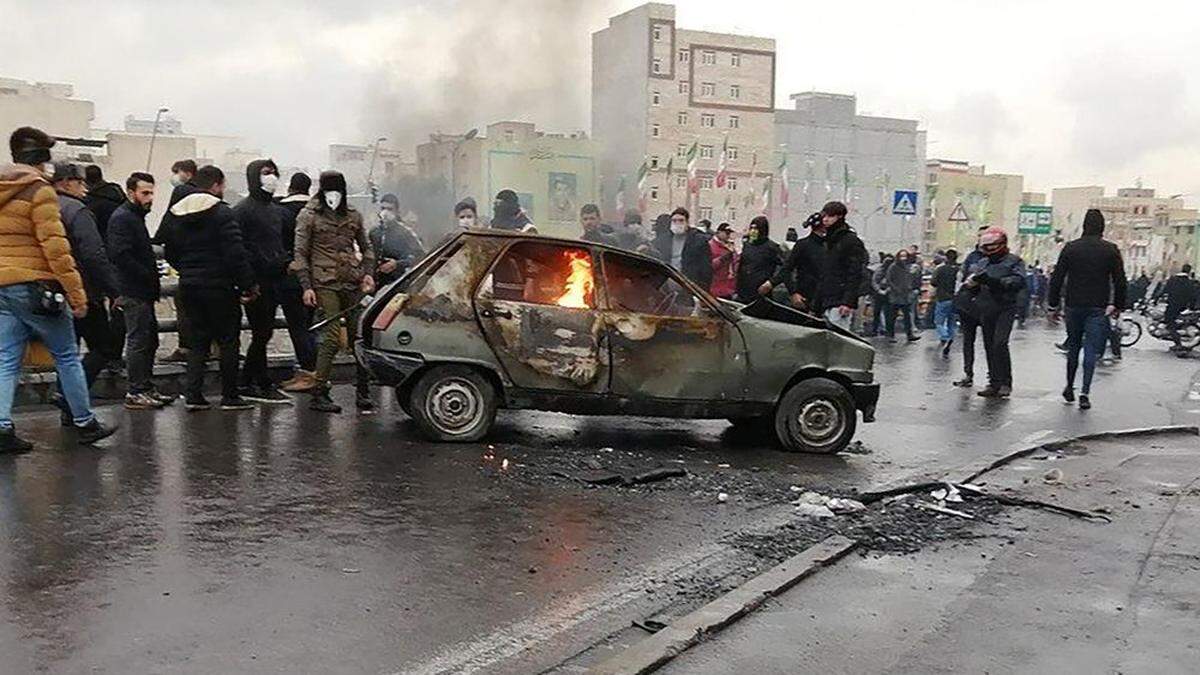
(371, 170)
(153, 135)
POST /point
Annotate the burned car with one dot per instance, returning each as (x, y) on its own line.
(493, 319)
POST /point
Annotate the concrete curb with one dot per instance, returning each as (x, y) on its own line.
(656, 650)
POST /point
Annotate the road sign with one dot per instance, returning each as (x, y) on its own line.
(959, 214)
(904, 203)
(1035, 220)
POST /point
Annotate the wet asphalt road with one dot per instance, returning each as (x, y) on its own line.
(281, 541)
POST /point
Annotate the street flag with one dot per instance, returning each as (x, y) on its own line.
(846, 180)
(621, 195)
(692, 155)
(748, 202)
(642, 175)
(783, 186)
(670, 165)
(765, 204)
(722, 169)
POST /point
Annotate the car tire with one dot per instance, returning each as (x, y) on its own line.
(453, 403)
(816, 415)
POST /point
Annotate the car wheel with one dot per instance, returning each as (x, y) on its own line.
(816, 415)
(453, 403)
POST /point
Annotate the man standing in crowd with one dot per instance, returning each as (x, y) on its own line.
(685, 248)
(261, 222)
(944, 279)
(204, 243)
(880, 307)
(467, 214)
(183, 183)
(397, 246)
(137, 277)
(327, 232)
(724, 263)
(899, 282)
(591, 228)
(36, 272)
(759, 262)
(995, 285)
(801, 272)
(1094, 274)
(102, 197)
(99, 276)
(1182, 293)
(507, 213)
(298, 316)
(964, 308)
(845, 265)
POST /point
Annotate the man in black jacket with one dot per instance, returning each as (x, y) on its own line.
(1182, 293)
(1094, 274)
(945, 277)
(299, 317)
(183, 183)
(137, 278)
(844, 271)
(99, 275)
(801, 272)
(760, 260)
(685, 249)
(102, 197)
(204, 243)
(261, 221)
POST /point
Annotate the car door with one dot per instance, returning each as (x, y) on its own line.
(667, 342)
(537, 307)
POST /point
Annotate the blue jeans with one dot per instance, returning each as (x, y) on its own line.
(1087, 328)
(18, 325)
(943, 319)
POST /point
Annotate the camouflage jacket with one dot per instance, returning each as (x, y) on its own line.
(332, 250)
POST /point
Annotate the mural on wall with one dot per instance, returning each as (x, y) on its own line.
(525, 199)
(564, 196)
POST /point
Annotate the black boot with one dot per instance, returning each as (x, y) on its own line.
(362, 401)
(11, 444)
(322, 402)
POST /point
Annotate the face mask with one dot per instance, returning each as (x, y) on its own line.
(387, 215)
(678, 228)
(466, 222)
(176, 180)
(269, 183)
(333, 200)
(48, 168)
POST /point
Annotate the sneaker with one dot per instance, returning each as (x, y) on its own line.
(1085, 402)
(322, 402)
(914, 338)
(1068, 395)
(1003, 391)
(12, 444)
(143, 401)
(235, 403)
(95, 431)
(989, 392)
(164, 399)
(302, 381)
(965, 383)
(364, 404)
(177, 356)
(946, 348)
(265, 395)
(196, 403)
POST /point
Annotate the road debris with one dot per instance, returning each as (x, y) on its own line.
(942, 509)
(1053, 477)
(814, 511)
(722, 497)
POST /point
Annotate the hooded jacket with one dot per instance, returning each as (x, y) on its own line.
(291, 206)
(102, 200)
(203, 243)
(33, 242)
(844, 268)
(759, 262)
(900, 281)
(1092, 269)
(330, 241)
(99, 275)
(801, 272)
(261, 220)
(131, 253)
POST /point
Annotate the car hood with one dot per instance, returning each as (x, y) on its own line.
(778, 336)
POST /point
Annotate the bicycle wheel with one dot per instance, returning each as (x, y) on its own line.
(1130, 331)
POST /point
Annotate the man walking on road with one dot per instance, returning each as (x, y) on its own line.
(945, 277)
(995, 287)
(1094, 274)
(844, 269)
(964, 308)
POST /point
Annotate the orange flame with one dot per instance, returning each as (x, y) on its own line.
(577, 290)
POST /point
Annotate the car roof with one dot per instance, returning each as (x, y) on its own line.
(542, 238)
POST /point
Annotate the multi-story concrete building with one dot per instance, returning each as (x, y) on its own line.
(553, 174)
(50, 107)
(961, 198)
(384, 165)
(835, 153)
(1154, 233)
(659, 90)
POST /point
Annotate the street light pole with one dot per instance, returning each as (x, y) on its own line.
(153, 135)
(371, 170)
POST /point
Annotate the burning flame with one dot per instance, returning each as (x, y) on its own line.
(577, 290)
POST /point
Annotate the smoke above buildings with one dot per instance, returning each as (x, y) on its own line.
(462, 66)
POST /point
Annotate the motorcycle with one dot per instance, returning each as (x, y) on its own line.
(1187, 325)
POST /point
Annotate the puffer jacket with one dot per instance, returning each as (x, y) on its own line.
(325, 248)
(203, 242)
(87, 247)
(33, 242)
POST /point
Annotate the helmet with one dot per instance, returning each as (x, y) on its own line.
(993, 240)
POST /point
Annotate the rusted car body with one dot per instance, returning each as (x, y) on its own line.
(500, 320)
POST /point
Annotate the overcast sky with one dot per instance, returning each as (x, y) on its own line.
(1065, 92)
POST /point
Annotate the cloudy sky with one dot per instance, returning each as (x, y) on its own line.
(1066, 92)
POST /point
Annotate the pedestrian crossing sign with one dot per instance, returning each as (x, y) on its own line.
(959, 214)
(904, 203)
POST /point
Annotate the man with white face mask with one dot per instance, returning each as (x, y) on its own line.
(467, 214)
(328, 231)
(685, 249)
(397, 246)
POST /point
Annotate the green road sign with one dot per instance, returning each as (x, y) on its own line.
(1035, 220)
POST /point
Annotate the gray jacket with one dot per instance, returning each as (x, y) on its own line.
(99, 275)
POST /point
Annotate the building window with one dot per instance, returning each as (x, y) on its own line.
(735, 91)
(706, 152)
(932, 179)
(656, 66)
(653, 161)
(685, 55)
(708, 120)
(735, 122)
(682, 118)
(655, 97)
(708, 89)
(654, 130)
(510, 135)
(735, 59)
(706, 182)
(685, 87)
(681, 181)
(654, 193)
(733, 152)
(733, 215)
(681, 150)
(705, 213)
(657, 30)
(731, 182)
(708, 58)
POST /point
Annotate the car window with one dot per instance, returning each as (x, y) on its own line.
(545, 274)
(646, 287)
